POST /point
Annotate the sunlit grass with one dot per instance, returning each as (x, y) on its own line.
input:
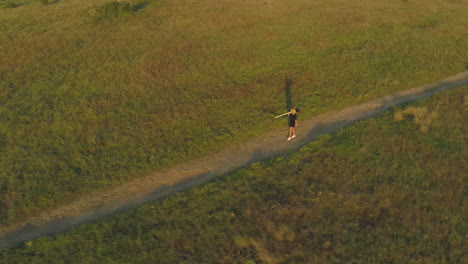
(86, 105)
(382, 190)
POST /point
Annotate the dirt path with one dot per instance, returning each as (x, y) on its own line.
(187, 175)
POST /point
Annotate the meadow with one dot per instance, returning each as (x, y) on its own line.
(95, 93)
(391, 189)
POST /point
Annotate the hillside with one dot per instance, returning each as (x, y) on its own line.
(94, 94)
(390, 189)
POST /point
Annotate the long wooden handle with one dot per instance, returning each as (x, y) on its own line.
(282, 115)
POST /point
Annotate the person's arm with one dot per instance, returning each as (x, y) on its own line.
(296, 122)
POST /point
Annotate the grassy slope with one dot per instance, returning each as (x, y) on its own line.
(85, 106)
(386, 190)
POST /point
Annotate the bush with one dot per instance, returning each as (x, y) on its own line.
(10, 5)
(45, 2)
(112, 11)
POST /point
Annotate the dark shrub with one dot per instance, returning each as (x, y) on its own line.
(113, 10)
(10, 5)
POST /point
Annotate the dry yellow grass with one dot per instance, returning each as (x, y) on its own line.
(419, 115)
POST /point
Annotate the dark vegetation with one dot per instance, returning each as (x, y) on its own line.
(9, 5)
(84, 108)
(112, 11)
(391, 189)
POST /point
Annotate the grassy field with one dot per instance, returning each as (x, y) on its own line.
(93, 94)
(391, 189)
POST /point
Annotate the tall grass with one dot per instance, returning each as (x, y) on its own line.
(381, 191)
(85, 106)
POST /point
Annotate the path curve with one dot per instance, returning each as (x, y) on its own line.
(187, 175)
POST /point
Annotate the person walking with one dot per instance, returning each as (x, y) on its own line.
(292, 124)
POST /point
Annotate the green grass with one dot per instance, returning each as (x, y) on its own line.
(382, 191)
(85, 106)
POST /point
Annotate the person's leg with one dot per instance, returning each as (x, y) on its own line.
(290, 132)
(293, 132)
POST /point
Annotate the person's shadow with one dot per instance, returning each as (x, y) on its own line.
(287, 93)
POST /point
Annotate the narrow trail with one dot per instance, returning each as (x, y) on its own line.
(187, 175)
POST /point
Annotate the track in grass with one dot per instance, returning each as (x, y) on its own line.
(163, 183)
